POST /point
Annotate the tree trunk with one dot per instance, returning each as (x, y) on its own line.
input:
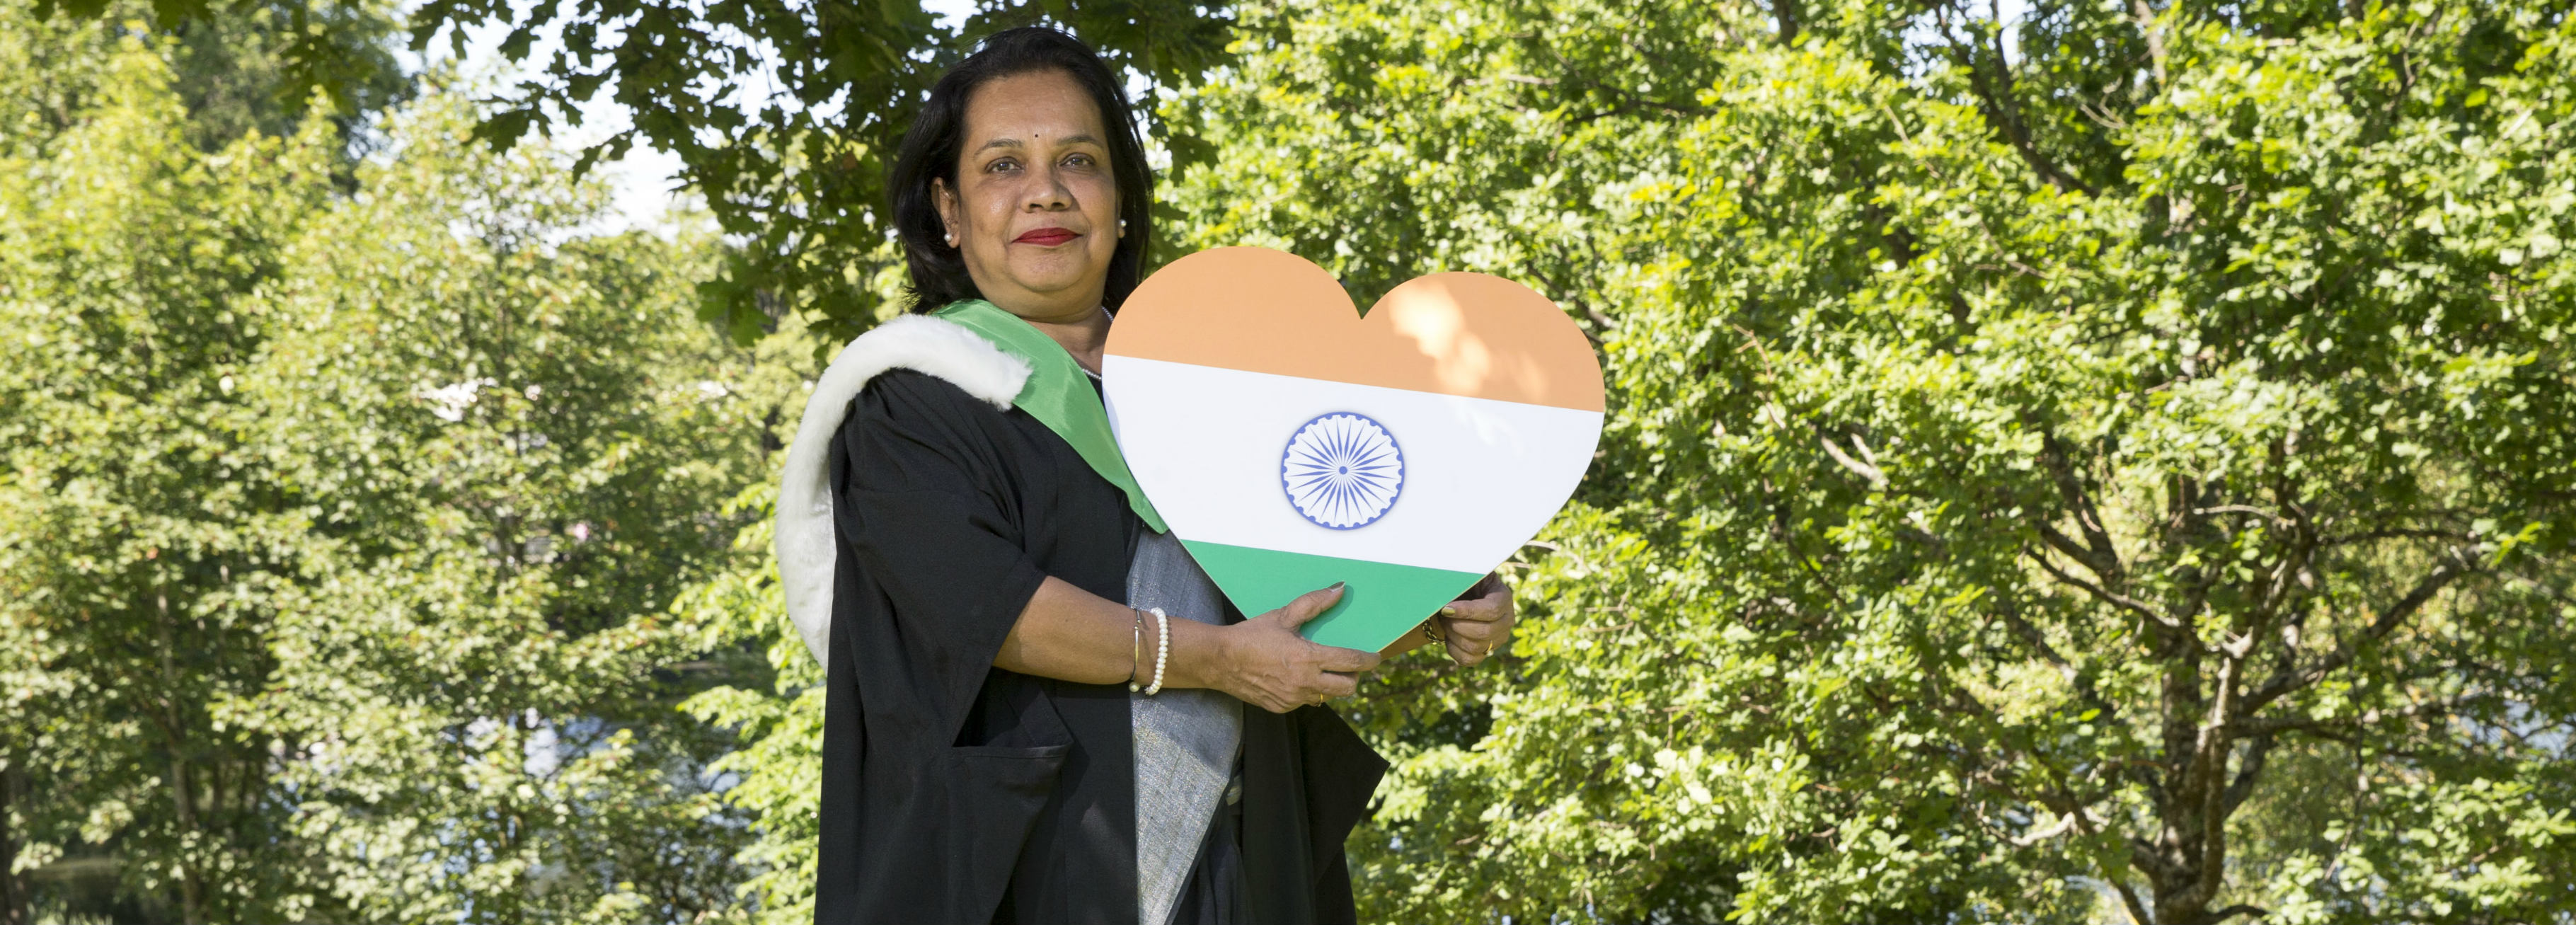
(192, 894)
(13, 889)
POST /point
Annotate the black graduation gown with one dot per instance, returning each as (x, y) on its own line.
(954, 791)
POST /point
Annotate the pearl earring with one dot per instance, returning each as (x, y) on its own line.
(952, 240)
(1122, 227)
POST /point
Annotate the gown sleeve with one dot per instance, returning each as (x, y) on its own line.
(929, 510)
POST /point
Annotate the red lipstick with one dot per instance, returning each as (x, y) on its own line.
(1046, 237)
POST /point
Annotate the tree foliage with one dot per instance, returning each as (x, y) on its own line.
(253, 70)
(779, 768)
(340, 532)
(2116, 458)
(785, 115)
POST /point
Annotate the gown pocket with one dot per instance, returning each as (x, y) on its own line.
(997, 792)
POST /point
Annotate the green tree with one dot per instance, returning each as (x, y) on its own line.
(794, 170)
(779, 766)
(2116, 458)
(129, 548)
(487, 694)
(340, 533)
(775, 769)
(785, 115)
(234, 74)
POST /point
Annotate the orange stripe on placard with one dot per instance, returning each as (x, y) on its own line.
(1267, 311)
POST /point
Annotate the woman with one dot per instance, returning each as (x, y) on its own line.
(1011, 732)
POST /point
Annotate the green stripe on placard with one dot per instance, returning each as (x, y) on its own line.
(1382, 603)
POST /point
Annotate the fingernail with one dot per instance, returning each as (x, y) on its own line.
(1448, 611)
(1336, 586)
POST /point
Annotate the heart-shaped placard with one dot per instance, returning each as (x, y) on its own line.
(1291, 443)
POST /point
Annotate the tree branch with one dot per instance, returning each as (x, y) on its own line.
(2248, 773)
(2105, 555)
(2129, 898)
(2146, 17)
(2100, 593)
(2031, 636)
(2076, 551)
(2060, 796)
(1877, 479)
(2276, 519)
(2204, 784)
(2340, 729)
(2288, 680)
(2043, 833)
(2395, 533)
(2001, 114)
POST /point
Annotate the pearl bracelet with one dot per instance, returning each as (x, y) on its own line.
(1162, 648)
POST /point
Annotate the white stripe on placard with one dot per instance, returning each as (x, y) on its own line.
(1480, 475)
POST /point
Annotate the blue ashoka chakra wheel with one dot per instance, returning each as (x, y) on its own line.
(1342, 470)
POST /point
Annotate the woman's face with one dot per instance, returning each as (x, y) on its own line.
(1035, 209)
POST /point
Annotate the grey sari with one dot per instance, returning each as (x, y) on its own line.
(1186, 744)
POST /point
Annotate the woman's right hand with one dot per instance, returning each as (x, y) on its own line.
(1267, 665)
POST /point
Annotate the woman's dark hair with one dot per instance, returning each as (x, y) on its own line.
(931, 146)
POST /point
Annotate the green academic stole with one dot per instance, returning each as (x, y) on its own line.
(1057, 395)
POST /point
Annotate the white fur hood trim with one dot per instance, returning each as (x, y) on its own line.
(805, 544)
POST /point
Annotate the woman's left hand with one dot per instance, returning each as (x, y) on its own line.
(1479, 622)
